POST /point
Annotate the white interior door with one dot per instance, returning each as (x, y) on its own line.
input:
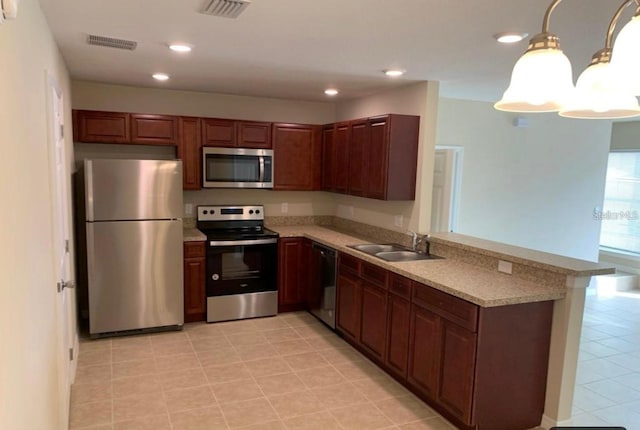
(60, 181)
(445, 190)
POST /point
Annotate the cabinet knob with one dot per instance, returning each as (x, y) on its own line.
(215, 276)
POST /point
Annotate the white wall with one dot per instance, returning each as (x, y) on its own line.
(95, 96)
(625, 136)
(415, 99)
(30, 394)
(534, 187)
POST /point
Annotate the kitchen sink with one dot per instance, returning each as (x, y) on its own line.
(392, 252)
(374, 248)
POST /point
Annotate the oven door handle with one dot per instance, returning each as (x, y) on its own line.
(261, 169)
(242, 242)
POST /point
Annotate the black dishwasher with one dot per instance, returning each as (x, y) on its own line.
(322, 294)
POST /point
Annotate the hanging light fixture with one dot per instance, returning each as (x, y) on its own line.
(595, 96)
(625, 58)
(541, 80)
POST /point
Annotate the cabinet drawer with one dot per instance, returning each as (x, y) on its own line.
(194, 249)
(347, 263)
(376, 275)
(400, 285)
(456, 310)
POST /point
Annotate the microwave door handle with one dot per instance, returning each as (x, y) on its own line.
(261, 169)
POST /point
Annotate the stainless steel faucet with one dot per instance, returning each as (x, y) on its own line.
(417, 240)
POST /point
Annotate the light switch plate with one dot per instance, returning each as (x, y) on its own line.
(505, 267)
(285, 208)
(398, 220)
(188, 209)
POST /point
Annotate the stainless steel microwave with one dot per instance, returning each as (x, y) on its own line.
(237, 168)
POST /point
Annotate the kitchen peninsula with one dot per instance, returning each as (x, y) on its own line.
(476, 344)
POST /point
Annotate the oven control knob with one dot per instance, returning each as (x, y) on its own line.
(215, 276)
(205, 211)
(251, 212)
(257, 211)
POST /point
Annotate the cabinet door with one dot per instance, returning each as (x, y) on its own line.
(348, 306)
(189, 153)
(357, 156)
(297, 157)
(328, 158)
(424, 351)
(103, 127)
(377, 160)
(399, 321)
(154, 129)
(373, 331)
(457, 370)
(218, 132)
(254, 134)
(341, 157)
(289, 274)
(195, 305)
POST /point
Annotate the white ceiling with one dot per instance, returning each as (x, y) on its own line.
(296, 48)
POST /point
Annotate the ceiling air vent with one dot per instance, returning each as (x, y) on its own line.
(224, 8)
(110, 42)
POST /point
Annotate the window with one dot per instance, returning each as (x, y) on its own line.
(620, 214)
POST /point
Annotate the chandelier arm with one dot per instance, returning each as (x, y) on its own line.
(547, 15)
(614, 21)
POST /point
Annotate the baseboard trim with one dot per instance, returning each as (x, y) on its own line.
(547, 422)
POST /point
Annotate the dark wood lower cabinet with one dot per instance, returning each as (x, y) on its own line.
(348, 304)
(481, 368)
(425, 351)
(195, 300)
(457, 366)
(373, 331)
(398, 321)
(291, 270)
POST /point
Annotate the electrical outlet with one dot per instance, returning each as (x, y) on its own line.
(398, 220)
(285, 208)
(505, 267)
(188, 209)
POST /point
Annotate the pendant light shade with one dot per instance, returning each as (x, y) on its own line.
(541, 81)
(593, 97)
(625, 60)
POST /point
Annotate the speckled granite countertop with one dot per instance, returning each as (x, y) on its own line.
(193, 235)
(477, 285)
(516, 254)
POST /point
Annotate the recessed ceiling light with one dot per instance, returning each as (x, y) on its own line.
(394, 73)
(510, 37)
(180, 47)
(160, 76)
(331, 91)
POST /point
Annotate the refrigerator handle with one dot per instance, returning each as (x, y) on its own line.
(88, 189)
(261, 158)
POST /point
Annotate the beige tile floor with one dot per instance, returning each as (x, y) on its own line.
(608, 374)
(284, 372)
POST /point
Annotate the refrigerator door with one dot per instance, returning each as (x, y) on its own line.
(135, 275)
(133, 189)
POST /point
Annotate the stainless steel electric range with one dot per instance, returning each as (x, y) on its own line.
(242, 260)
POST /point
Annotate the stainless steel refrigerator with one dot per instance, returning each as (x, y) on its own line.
(133, 220)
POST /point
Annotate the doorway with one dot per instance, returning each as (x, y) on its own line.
(445, 198)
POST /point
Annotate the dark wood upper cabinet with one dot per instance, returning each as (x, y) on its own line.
(253, 135)
(358, 147)
(297, 156)
(102, 127)
(154, 129)
(396, 136)
(189, 152)
(377, 159)
(328, 158)
(218, 132)
(341, 157)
